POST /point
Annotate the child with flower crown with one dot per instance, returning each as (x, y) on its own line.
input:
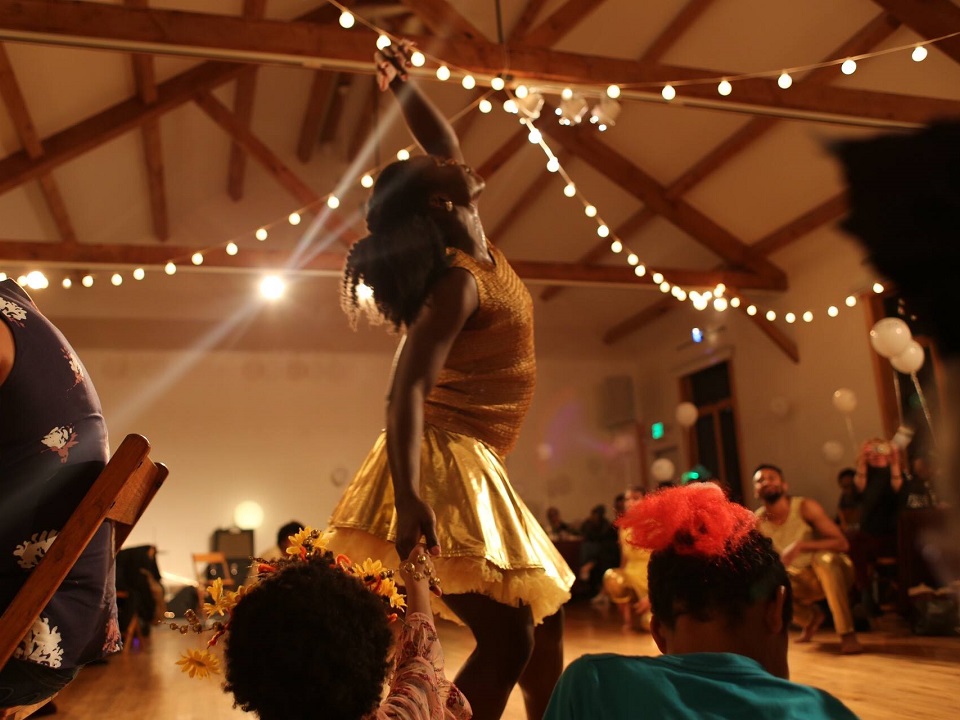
(313, 639)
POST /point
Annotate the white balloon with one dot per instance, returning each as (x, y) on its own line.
(687, 414)
(845, 400)
(890, 337)
(662, 469)
(910, 360)
(780, 406)
(832, 451)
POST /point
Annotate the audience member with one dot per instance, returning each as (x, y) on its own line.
(879, 479)
(626, 585)
(286, 531)
(599, 549)
(721, 606)
(557, 528)
(811, 547)
(53, 445)
(848, 507)
(139, 587)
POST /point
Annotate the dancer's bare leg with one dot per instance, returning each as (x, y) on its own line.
(546, 663)
(504, 636)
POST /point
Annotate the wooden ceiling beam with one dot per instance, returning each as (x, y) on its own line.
(314, 45)
(520, 29)
(826, 212)
(929, 19)
(562, 21)
(640, 320)
(243, 99)
(303, 193)
(443, 20)
(588, 147)
(30, 140)
(775, 334)
(146, 82)
(682, 22)
(322, 91)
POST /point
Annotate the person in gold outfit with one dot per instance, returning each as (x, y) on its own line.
(627, 585)
(462, 382)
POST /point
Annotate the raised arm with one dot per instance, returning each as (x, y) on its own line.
(429, 127)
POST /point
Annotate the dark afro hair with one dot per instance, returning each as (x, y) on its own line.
(308, 642)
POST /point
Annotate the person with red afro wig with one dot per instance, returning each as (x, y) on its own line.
(721, 606)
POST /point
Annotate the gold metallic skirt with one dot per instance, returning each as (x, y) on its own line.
(490, 542)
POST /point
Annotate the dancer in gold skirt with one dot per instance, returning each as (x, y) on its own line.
(627, 585)
(462, 382)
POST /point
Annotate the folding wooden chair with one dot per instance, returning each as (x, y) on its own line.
(121, 493)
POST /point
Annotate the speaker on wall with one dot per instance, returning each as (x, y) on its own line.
(237, 546)
(618, 406)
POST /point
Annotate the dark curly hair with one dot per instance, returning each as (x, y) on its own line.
(405, 252)
(708, 556)
(307, 642)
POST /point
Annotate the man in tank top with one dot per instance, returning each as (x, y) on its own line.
(812, 548)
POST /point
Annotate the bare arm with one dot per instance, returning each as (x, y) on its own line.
(429, 127)
(420, 359)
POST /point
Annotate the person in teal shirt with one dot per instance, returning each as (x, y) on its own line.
(721, 605)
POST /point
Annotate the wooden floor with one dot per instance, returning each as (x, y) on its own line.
(902, 676)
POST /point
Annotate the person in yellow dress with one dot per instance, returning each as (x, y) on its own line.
(627, 585)
(462, 383)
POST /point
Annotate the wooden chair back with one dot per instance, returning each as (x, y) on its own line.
(120, 493)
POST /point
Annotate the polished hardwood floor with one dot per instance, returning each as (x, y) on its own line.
(902, 676)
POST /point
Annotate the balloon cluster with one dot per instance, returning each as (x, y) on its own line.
(892, 339)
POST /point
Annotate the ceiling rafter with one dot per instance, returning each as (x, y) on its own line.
(145, 80)
(30, 140)
(682, 22)
(562, 21)
(929, 19)
(243, 108)
(587, 146)
(319, 45)
(304, 194)
(322, 90)
(868, 37)
(443, 20)
(525, 21)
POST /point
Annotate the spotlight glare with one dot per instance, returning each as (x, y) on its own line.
(272, 287)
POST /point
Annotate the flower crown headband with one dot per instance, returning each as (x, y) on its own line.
(306, 545)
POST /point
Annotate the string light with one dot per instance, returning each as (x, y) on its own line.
(613, 91)
(784, 81)
(67, 283)
(566, 94)
(657, 278)
(521, 91)
(669, 92)
(485, 106)
(640, 270)
(535, 137)
(724, 88)
(418, 59)
(590, 211)
(720, 304)
(616, 247)
(851, 300)
(139, 274)
(849, 66)
(469, 82)
(333, 202)
(498, 83)
(366, 181)
(790, 317)
(197, 258)
(751, 310)
(734, 302)
(403, 154)
(294, 218)
(261, 234)
(116, 279)
(570, 190)
(383, 41)
(808, 316)
(632, 259)
(510, 106)
(347, 20)
(877, 288)
(170, 268)
(771, 315)
(919, 54)
(87, 281)
(443, 73)
(553, 165)
(832, 311)
(602, 230)
(232, 248)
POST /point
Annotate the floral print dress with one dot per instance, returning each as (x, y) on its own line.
(53, 445)
(419, 690)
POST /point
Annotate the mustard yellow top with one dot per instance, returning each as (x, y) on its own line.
(793, 529)
(486, 385)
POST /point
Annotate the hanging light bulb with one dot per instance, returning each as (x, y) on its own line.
(383, 41)
(851, 300)
(849, 67)
(418, 59)
(294, 218)
(333, 202)
(139, 274)
(497, 83)
(616, 247)
(87, 281)
(116, 279)
(832, 311)
(602, 230)
(403, 154)
(485, 106)
(632, 259)
(232, 248)
(668, 92)
(877, 288)
(566, 94)
(521, 91)
(67, 283)
(510, 106)
(443, 73)
(170, 268)
(734, 302)
(681, 295)
(553, 165)
(366, 181)
(613, 91)
(790, 317)
(808, 316)
(724, 88)
(590, 211)
(720, 304)
(919, 54)
(570, 190)
(534, 136)
(261, 234)
(785, 81)
(751, 310)
(197, 258)
(657, 278)
(771, 315)
(664, 287)
(469, 82)
(640, 270)
(347, 20)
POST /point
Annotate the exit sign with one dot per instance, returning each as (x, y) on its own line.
(656, 430)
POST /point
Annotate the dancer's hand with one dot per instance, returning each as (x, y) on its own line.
(419, 579)
(392, 63)
(416, 520)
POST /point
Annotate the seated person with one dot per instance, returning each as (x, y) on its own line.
(811, 547)
(626, 585)
(721, 606)
(848, 507)
(53, 445)
(557, 529)
(286, 531)
(312, 639)
(139, 588)
(599, 549)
